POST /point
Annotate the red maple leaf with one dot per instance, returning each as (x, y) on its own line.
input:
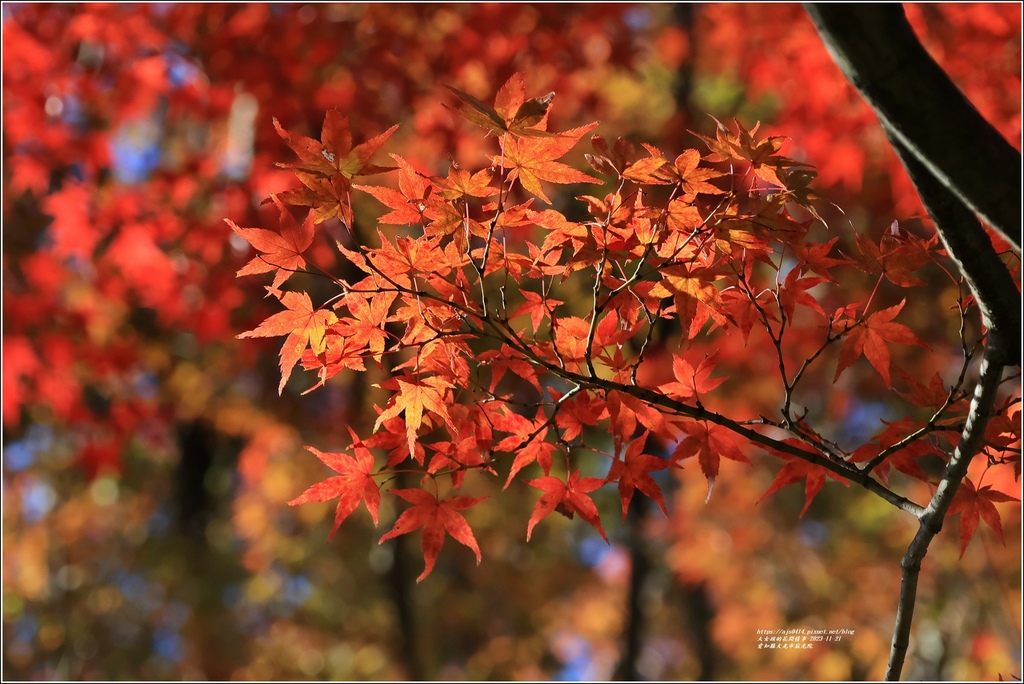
(435, 517)
(795, 291)
(977, 504)
(353, 484)
(279, 251)
(578, 412)
(304, 326)
(897, 255)
(536, 306)
(632, 472)
(689, 382)
(798, 469)
(506, 360)
(814, 258)
(870, 338)
(568, 497)
(709, 443)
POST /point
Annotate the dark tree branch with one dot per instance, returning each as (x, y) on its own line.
(878, 51)
(982, 404)
(924, 115)
(968, 245)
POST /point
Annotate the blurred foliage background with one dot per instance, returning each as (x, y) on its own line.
(147, 458)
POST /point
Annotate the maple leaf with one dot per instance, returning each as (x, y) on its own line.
(814, 257)
(903, 459)
(408, 205)
(797, 469)
(742, 145)
(536, 450)
(896, 255)
(365, 326)
(436, 517)
(335, 153)
(632, 472)
(533, 160)
(795, 291)
(870, 338)
(413, 397)
(975, 504)
(709, 443)
(625, 411)
(689, 382)
(611, 161)
(696, 297)
(656, 170)
(279, 251)
(578, 412)
(570, 497)
(651, 170)
(536, 306)
(353, 484)
(328, 197)
(341, 353)
(693, 179)
(505, 360)
(460, 184)
(511, 113)
(304, 326)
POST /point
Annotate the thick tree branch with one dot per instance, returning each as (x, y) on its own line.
(922, 113)
(982, 404)
(989, 279)
(878, 51)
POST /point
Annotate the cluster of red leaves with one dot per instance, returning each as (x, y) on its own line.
(89, 89)
(674, 241)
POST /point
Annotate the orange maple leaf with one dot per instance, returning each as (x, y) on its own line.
(335, 153)
(532, 160)
(435, 517)
(511, 113)
(460, 184)
(413, 397)
(279, 251)
(353, 484)
(328, 197)
(742, 145)
(407, 206)
(304, 326)
(870, 338)
(365, 326)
